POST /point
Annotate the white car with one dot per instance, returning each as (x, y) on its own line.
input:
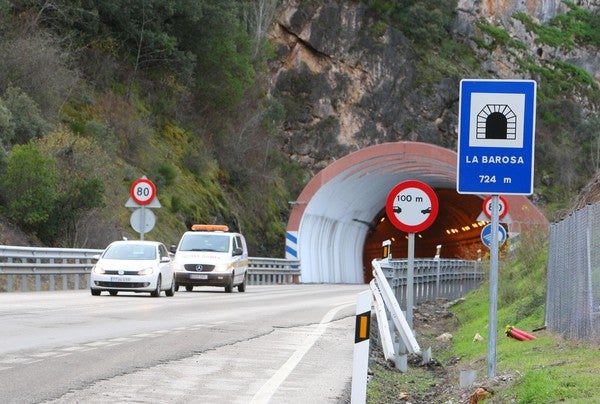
(133, 266)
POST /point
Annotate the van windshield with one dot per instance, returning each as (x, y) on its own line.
(205, 242)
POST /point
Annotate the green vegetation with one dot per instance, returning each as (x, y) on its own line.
(427, 25)
(176, 91)
(94, 95)
(577, 26)
(547, 369)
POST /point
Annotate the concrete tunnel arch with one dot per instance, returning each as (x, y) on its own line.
(338, 221)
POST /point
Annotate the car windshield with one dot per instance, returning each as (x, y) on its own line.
(130, 252)
(205, 242)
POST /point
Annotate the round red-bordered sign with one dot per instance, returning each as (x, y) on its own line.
(502, 207)
(143, 191)
(412, 206)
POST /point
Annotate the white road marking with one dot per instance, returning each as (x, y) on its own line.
(270, 387)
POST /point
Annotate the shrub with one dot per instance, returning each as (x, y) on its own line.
(30, 186)
(26, 115)
(7, 125)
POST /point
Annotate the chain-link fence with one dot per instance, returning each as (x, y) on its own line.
(573, 285)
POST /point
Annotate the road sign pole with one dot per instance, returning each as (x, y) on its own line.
(493, 321)
(143, 215)
(410, 274)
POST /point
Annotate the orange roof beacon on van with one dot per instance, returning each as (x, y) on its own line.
(210, 227)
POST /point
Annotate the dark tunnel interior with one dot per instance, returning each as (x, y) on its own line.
(456, 229)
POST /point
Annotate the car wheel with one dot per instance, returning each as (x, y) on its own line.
(113, 292)
(176, 288)
(156, 292)
(95, 292)
(242, 286)
(171, 290)
(189, 288)
(229, 286)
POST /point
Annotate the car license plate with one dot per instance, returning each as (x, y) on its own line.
(120, 279)
(198, 276)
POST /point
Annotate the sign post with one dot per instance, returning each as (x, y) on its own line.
(411, 206)
(142, 196)
(496, 128)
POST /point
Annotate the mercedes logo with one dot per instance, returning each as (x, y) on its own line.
(198, 267)
(121, 272)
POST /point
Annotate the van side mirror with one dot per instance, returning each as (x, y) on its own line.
(237, 251)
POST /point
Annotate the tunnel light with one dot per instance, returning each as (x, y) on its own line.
(448, 231)
(420, 235)
(382, 219)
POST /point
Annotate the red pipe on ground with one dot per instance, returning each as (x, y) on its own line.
(518, 334)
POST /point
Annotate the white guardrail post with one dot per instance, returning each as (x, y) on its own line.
(396, 313)
(361, 347)
(382, 323)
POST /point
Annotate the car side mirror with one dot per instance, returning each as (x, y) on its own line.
(165, 259)
(237, 251)
(173, 248)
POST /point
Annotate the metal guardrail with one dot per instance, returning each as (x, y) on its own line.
(41, 269)
(269, 271)
(38, 269)
(433, 278)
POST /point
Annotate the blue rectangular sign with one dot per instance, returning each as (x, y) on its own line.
(496, 132)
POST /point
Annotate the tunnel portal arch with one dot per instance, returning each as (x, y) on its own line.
(338, 221)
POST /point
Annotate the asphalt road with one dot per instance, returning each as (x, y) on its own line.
(272, 344)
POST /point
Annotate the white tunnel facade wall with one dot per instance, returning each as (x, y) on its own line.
(333, 251)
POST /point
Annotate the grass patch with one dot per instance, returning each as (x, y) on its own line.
(548, 369)
(389, 386)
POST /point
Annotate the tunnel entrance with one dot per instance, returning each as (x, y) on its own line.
(338, 221)
(456, 229)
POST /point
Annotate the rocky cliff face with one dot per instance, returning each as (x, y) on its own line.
(346, 86)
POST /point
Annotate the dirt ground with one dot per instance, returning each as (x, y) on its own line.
(432, 382)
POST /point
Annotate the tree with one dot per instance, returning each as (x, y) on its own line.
(83, 168)
(258, 15)
(30, 186)
(37, 65)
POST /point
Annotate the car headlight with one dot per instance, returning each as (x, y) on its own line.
(146, 271)
(222, 268)
(97, 269)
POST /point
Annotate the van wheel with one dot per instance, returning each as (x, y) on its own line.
(189, 288)
(242, 286)
(229, 286)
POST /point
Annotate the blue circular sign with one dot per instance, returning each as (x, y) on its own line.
(486, 235)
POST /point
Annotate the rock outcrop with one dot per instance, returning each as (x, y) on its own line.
(346, 85)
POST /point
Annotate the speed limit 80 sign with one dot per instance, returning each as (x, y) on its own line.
(143, 191)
